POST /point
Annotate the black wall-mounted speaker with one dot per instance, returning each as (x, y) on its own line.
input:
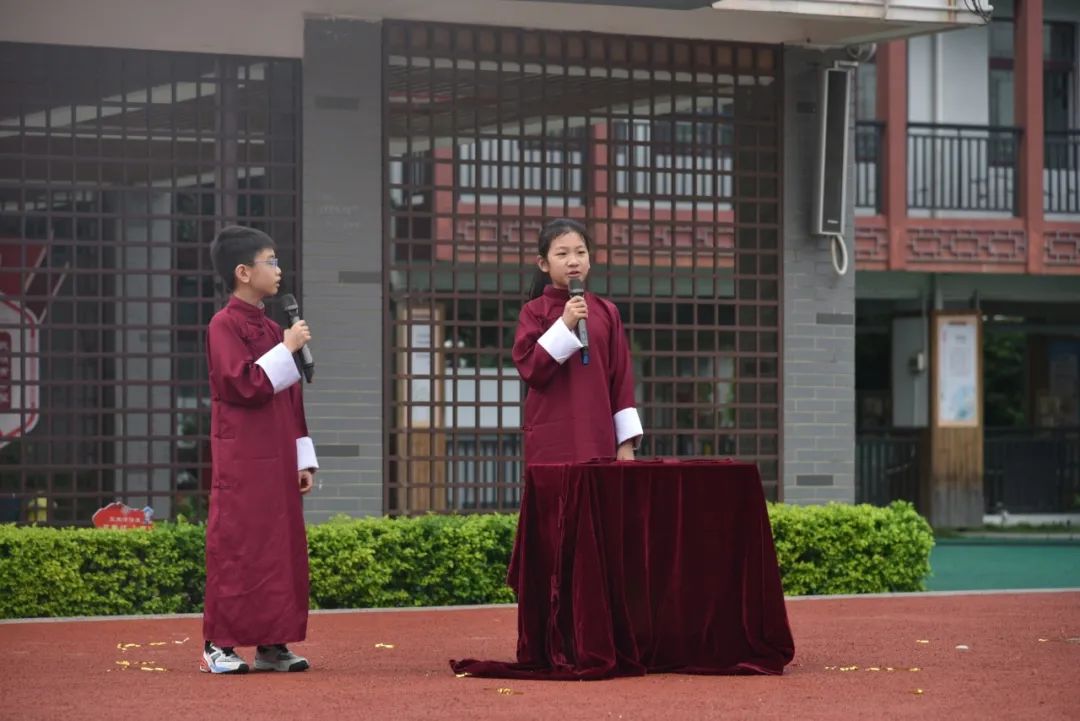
(832, 166)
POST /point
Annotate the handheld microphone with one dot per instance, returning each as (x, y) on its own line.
(288, 301)
(577, 290)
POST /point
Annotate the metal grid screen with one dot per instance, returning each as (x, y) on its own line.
(667, 149)
(116, 169)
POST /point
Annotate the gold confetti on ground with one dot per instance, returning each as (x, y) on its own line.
(914, 668)
(922, 640)
(384, 645)
(873, 668)
(1043, 640)
(181, 643)
(889, 668)
(148, 665)
(918, 692)
(508, 692)
(157, 643)
(849, 668)
(461, 675)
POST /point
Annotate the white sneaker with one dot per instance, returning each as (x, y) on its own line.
(279, 658)
(218, 660)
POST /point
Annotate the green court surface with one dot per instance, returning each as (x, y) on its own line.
(974, 564)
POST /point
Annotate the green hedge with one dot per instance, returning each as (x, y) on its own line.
(91, 572)
(428, 561)
(841, 548)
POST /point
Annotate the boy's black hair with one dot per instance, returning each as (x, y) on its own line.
(235, 245)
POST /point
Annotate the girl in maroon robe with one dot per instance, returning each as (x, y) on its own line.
(574, 411)
(263, 461)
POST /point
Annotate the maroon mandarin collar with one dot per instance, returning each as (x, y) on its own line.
(554, 293)
(246, 308)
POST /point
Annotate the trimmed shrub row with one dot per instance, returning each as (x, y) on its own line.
(426, 561)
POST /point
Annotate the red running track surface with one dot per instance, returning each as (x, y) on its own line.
(1022, 662)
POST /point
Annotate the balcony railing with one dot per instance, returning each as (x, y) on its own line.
(868, 135)
(963, 167)
(1061, 179)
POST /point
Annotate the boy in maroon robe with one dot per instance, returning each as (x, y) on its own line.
(574, 411)
(263, 461)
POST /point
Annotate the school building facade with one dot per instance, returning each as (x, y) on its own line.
(404, 155)
(968, 203)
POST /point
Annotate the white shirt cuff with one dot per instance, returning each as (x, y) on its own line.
(559, 342)
(280, 367)
(627, 426)
(305, 454)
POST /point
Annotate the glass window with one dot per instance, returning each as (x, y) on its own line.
(1059, 42)
(1001, 97)
(866, 91)
(1001, 39)
(1059, 73)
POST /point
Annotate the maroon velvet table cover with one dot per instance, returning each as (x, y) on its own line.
(627, 568)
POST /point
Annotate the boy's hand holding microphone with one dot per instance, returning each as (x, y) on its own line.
(298, 336)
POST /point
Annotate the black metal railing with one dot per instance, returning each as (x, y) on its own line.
(868, 137)
(887, 466)
(1025, 470)
(1032, 470)
(1062, 175)
(963, 167)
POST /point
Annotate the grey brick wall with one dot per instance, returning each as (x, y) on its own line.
(819, 312)
(342, 215)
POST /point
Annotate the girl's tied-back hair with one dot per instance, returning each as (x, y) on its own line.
(552, 230)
